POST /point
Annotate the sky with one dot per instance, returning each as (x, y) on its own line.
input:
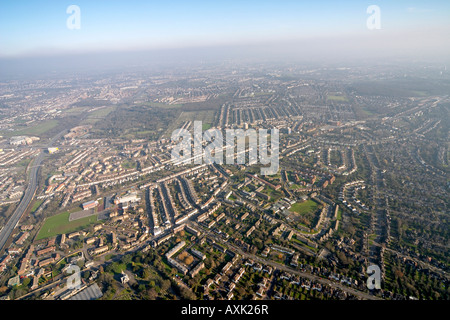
(34, 28)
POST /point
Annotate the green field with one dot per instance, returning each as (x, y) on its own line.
(296, 186)
(110, 256)
(304, 244)
(337, 98)
(164, 105)
(339, 215)
(272, 193)
(36, 205)
(206, 116)
(372, 238)
(305, 207)
(60, 224)
(76, 110)
(144, 132)
(99, 114)
(206, 126)
(128, 164)
(35, 130)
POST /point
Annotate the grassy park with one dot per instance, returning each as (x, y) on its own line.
(36, 205)
(305, 207)
(35, 130)
(337, 98)
(60, 224)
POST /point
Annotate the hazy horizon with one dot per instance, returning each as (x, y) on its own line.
(136, 33)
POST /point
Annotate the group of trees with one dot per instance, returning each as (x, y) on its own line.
(409, 280)
(141, 120)
(152, 279)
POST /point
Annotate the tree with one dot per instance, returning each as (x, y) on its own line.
(152, 294)
(158, 264)
(188, 260)
(212, 263)
(126, 259)
(26, 282)
(187, 294)
(18, 292)
(80, 263)
(165, 285)
(141, 288)
(137, 258)
(109, 268)
(145, 273)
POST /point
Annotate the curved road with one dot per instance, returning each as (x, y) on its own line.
(28, 196)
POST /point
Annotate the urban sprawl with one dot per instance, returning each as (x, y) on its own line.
(87, 179)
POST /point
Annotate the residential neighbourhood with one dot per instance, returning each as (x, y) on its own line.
(95, 204)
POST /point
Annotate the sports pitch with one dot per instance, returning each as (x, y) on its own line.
(60, 224)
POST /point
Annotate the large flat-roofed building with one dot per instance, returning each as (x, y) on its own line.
(197, 269)
(283, 249)
(131, 197)
(192, 230)
(198, 254)
(90, 204)
(92, 292)
(100, 250)
(45, 262)
(22, 140)
(175, 249)
(177, 265)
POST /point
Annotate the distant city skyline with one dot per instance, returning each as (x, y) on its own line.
(34, 28)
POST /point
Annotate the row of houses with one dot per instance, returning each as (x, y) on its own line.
(45, 251)
(181, 267)
(186, 216)
(99, 250)
(197, 269)
(198, 254)
(25, 261)
(205, 215)
(283, 249)
(187, 172)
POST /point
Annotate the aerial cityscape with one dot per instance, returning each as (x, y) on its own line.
(220, 174)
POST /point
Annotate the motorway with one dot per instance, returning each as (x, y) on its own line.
(28, 196)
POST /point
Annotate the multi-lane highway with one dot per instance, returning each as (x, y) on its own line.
(28, 196)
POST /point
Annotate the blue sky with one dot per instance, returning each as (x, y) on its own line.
(39, 27)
